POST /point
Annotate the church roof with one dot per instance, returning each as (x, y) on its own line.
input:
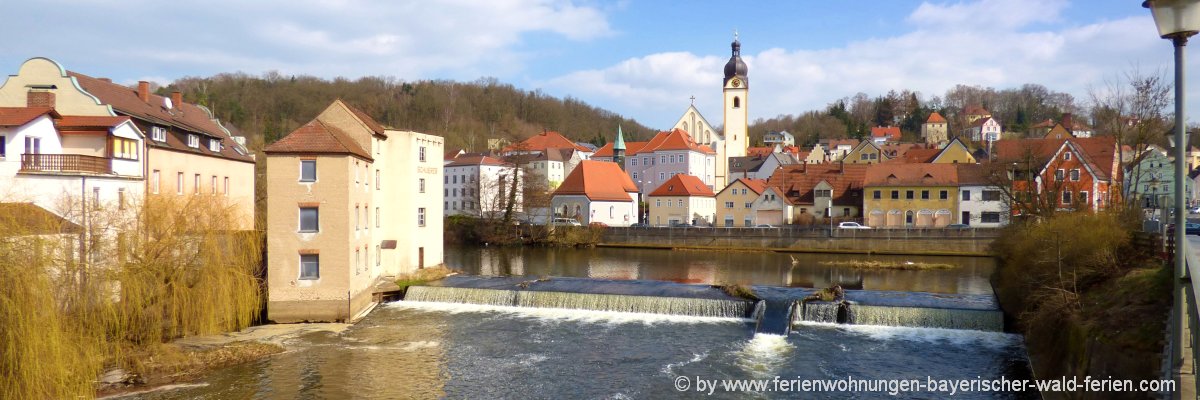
(735, 67)
(620, 143)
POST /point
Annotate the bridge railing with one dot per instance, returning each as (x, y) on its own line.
(1183, 341)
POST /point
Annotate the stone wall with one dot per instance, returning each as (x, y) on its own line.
(881, 241)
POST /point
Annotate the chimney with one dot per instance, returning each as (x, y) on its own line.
(1068, 122)
(176, 99)
(143, 91)
(40, 98)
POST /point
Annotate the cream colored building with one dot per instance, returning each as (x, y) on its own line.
(187, 151)
(683, 199)
(735, 203)
(350, 202)
(935, 129)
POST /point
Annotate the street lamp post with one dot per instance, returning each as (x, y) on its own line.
(1177, 20)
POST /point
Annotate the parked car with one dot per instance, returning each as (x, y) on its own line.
(1194, 210)
(565, 222)
(958, 226)
(765, 226)
(852, 225)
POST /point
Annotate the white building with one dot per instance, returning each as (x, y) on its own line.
(597, 192)
(479, 186)
(985, 129)
(782, 138)
(980, 204)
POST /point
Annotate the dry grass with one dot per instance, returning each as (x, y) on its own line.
(900, 265)
(741, 291)
(422, 276)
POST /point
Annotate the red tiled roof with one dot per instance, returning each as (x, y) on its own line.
(371, 123)
(181, 119)
(1099, 150)
(798, 180)
(598, 180)
(674, 140)
(475, 160)
(543, 141)
(935, 118)
(978, 174)
(890, 132)
(759, 151)
(316, 137)
(18, 116)
(976, 110)
(911, 175)
(683, 185)
(75, 122)
(755, 185)
(1047, 124)
(916, 156)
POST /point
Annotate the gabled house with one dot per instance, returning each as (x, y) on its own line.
(837, 148)
(885, 134)
(597, 192)
(985, 129)
(735, 203)
(954, 152)
(815, 156)
(1068, 174)
(812, 189)
(781, 138)
(541, 142)
(1150, 181)
(773, 207)
(667, 154)
(981, 203)
(683, 199)
(758, 167)
(910, 195)
(866, 152)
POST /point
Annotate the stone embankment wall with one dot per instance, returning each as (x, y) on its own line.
(864, 241)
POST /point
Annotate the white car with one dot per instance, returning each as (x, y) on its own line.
(852, 225)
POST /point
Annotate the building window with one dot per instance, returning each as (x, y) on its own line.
(1058, 175)
(662, 176)
(377, 255)
(895, 195)
(420, 184)
(1066, 198)
(924, 195)
(214, 185)
(635, 174)
(991, 195)
(95, 198)
(310, 266)
(179, 183)
(966, 195)
(729, 204)
(943, 195)
(227, 186)
(908, 194)
(729, 221)
(877, 195)
(193, 140)
(357, 217)
(214, 145)
(824, 193)
(154, 181)
(1083, 197)
(645, 161)
(123, 148)
(33, 145)
(421, 154)
(662, 159)
(421, 216)
(990, 217)
(196, 184)
(1075, 175)
(633, 161)
(377, 185)
(747, 204)
(376, 217)
(310, 220)
(158, 133)
(846, 211)
(308, 170)
(120, 198)
(1067, 156)
(737, 102)
(746, 222)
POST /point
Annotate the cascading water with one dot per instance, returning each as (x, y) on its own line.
(979, 320)
(582, 301)
(774, 316)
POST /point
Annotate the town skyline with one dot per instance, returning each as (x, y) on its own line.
(621, 56)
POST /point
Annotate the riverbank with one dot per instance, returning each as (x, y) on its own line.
(934, 242)
(184, 360)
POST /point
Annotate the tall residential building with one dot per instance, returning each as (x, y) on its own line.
(186, 149)
(350, 202)
(667, 154)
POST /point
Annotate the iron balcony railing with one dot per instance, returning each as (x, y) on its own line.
(65, 163)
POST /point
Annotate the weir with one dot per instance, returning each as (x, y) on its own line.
(916, 317)
(582, 301)
(774, 316)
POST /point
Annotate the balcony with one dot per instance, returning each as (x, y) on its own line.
(71, 163)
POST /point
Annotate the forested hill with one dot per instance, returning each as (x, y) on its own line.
(264, 108)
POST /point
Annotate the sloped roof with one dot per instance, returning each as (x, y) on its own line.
(683, 185)
(935, 118)
(183, 118)
(1047, 124)
(316, 137)
(18, 116)
(463, 161)
(371, 123)
(976, 110)
(917, 156)
(598, 180)
(75, 122)
(977, 174)
(980, 122)
(543, 141)
(838, 142)
(755, 185)
(1098, 150)
(759, 151)
(911, 175)
(890, 132)
(746, 164)
(797, 182)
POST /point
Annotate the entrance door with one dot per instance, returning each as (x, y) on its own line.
(966, 218)
(420, 257)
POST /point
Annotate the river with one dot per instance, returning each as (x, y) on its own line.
(442, 350)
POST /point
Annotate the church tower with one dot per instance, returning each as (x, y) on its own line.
(619, 149)
(736, 88)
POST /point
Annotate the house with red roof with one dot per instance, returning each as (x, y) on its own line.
(935, 129)
(1062, 174)
(812, 189)
(51, 161)
(985, 129)
(597, 192)
(667, 154)
(682, 199)
(885, 134)
(735, 203)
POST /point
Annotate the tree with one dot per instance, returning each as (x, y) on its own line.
(1133, 109)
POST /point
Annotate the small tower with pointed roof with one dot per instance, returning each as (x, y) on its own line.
(619, 149)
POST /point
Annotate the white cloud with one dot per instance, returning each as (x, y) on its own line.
(1025, 42)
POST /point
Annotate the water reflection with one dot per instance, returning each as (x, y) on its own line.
(970, 276)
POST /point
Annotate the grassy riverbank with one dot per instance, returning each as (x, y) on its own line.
(1090, 300)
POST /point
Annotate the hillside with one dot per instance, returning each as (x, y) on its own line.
(264, 108)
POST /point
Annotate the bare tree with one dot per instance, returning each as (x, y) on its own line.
(1133, 109)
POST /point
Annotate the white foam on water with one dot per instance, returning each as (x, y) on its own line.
(162, 388)
(530, 359)
(563, 314)
(958, 337)
(764, 354)
(669, 368)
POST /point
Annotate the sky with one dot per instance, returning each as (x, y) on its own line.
(639, 59)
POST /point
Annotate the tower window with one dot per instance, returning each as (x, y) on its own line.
(737, 102)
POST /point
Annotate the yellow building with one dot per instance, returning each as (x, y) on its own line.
(735, 203)
(910, 195)
(954, 152)
(682, 199)
(867, 152)
(349, 202)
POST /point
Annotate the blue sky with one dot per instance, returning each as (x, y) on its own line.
(641, 59)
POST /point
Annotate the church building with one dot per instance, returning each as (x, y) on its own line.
(732, 141)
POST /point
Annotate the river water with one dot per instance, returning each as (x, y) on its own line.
(441, 350)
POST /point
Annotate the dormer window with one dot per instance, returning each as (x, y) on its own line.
(193, 140)
(158, 134)
(214, 145)
(1067, 156)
